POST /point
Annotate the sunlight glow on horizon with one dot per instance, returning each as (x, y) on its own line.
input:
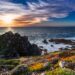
(7, 20)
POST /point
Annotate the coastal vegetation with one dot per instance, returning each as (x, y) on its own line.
(19, 57)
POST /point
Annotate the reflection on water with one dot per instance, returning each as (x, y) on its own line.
(3, 30)
(9, 29)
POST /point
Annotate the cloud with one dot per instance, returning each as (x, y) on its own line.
(36, 12)
(11, 8)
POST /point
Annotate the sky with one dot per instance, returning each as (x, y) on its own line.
(23, 13)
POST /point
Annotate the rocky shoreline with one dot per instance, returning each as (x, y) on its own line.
(21, 56)
(58, 41)
(70, 44)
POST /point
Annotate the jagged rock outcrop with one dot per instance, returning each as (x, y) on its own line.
(15, 45)
(64, 41)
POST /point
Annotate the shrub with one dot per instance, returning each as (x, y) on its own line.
(40, 67)
(36, 67)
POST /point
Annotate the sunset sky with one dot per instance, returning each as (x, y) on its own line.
(23, 13)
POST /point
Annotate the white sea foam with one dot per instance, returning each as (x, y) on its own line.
(50, 46)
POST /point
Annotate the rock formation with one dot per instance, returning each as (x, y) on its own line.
(15, 45)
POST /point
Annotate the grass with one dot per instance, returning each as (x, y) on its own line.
(9, 62)
(60, 71)
(55, 52)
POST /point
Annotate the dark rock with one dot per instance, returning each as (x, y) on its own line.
(52, 45)
(58, 41)
(34, 50)
(14, 45)
(45, 41)
(41, 47)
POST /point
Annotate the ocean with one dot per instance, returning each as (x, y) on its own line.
(42, 32)
(37, 34)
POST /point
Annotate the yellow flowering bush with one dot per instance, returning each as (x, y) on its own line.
(36, 66)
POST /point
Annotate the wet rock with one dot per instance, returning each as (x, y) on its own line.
(64, 41)
(52, 45)
(45, 41)
(41, 47)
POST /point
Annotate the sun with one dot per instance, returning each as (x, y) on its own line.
(7, 19)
